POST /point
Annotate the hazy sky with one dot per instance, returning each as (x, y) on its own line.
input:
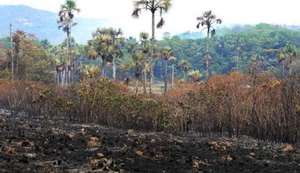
(182, 15)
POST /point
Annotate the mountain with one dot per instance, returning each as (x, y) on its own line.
(43, 24)
(235, 28)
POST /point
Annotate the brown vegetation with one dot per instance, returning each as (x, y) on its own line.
(261, 106)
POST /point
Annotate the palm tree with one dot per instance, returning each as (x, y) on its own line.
(185, 66)
(161, 6)
(107, 44)
(145, 51)
(194, 75)
(88, 71)
(206, 21)
(167, 55)
(66, 22)
(287, 57)
(153, 6)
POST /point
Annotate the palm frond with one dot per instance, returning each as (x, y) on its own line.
(200, 18)
(135, 13)
(160, 23)
(207, 13)
(140, 3)
(213, 32)
(74, 24)
(71, 16)
(219, 21)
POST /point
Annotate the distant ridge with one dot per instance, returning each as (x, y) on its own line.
(43, 24)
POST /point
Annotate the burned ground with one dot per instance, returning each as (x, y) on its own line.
(37, 144)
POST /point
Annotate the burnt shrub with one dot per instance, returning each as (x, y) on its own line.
(261, 106)
(104, 102)
(20, 95)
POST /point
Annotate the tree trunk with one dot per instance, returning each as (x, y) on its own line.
(144, 80)
(173, 74)
(12, 52)
(153, 28)
(114, 68)
(152, 52)
(166, 75)
(207, 53)
(68, 57)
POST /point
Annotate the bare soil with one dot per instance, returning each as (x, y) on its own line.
(35, 144)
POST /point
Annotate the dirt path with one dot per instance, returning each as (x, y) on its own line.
(37, 145)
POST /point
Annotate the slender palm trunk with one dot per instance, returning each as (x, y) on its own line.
(144, 76)
(114, 68)
(173, 74)
(68, 77)
(12, 52)
(290, 66)
(153, 28)
(166, 75)
(102, 68)
(152, 52)
(207, 53)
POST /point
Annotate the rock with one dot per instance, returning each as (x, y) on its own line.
(138, 152)
(288, 148)
(94, 142)
(100, 155)
(5, 112)
(71, 135)
(197, 163)
(153, 141)
(227, 158)
(30, 155)
(130, 131)
(9, 150)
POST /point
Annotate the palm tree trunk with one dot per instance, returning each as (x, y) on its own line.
(153, 28)
(166, 73)
(12, 52)
(69, 59)
(152, 52)
(207, 53)
(114, 68)
(173, 74)
(144, 79)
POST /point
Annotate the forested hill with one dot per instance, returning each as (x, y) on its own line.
(235, 48)
(43, 24)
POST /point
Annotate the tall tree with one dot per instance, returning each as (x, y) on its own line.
(287, 57)
(161, 6)
(66, 22)
(107, 43)
(185, 66)
(167, 55)
(207, 21)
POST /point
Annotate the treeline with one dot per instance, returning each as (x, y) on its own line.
(232, 50)
(235, 49)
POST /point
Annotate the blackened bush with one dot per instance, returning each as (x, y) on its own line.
(108, 103)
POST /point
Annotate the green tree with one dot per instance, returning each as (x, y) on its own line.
(107, 43)
(287, 57)
(194, 75)
(167, 55)
(32, 61)
(66, 22)
(207, 21)
(185, 66)
(161, 6)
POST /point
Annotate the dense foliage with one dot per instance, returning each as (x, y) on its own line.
(236, 49)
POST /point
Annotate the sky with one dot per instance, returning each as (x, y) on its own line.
(182, 16)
